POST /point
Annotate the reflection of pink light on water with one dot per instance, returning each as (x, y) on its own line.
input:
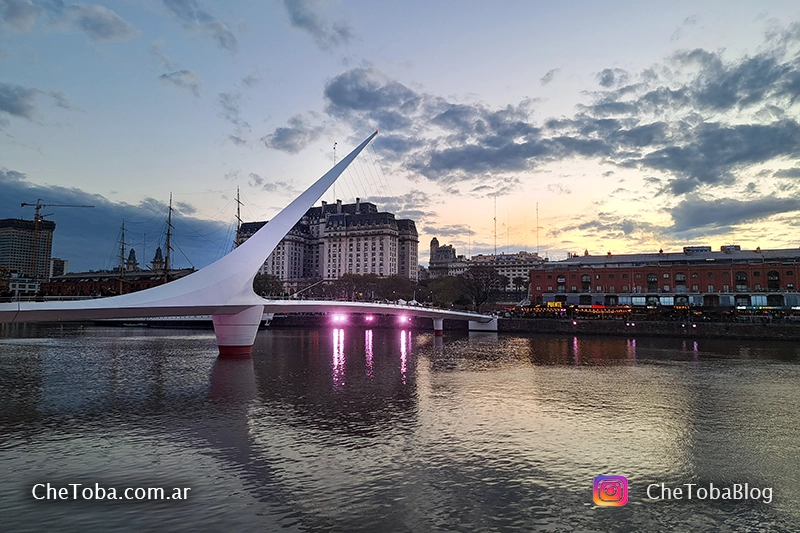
(632, 349)
(404, 342)
(575, 351)
(337, 369)
(368, 349)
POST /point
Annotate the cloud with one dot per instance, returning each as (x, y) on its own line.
(551, 74)
(697, 123)
(61, 100)
(684, 28)
(198, 20)
(8, 176)
(788, 173)
(372, 95)
(611, 77)
(255, 180)
(293, 138)
(164, 62)
(88, 238)
(304, 15)
(231, 111)
(558, 188)
(185, 79)
(279, 187)
(251, 80)
(19, 15)
(449, 230)
(100, 23)
(610, 226)
(695, 212)
(17, 101)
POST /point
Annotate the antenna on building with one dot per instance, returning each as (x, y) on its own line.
(495, 223)
(537, 228)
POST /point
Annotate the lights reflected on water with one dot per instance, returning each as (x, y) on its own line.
(368, 351)
(405, 343)
(337, 366)
(631, 349)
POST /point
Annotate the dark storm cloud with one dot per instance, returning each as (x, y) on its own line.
(716, 151)
(185, 79)
(612, 77)
(304, 15)
(293, 138)
(788, 173)
(196, 19)
(368, 94)
(17, 101)
(88, 237)
(699, 121)
(698, 213)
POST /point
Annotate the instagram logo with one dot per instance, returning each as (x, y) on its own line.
(610, 490)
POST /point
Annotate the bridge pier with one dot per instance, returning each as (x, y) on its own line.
(491, 325)
(438, 327)
(236, 334)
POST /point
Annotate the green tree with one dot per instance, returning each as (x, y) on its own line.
(446, 291)
(267, 285)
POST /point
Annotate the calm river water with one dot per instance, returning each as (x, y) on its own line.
(382, 430)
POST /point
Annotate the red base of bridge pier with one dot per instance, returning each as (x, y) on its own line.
(235, 351)
(236, 334)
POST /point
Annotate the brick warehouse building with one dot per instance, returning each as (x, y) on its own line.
(696, 277)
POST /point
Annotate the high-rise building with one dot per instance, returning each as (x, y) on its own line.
(58, 267)
(26, 246)
(336, 239)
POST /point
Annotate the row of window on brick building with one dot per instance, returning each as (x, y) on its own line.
(667, 282)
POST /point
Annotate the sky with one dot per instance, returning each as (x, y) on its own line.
(554, 127)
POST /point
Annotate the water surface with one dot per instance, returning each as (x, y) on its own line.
(386, 430)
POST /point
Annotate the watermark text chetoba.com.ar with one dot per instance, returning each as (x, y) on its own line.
(78, 491)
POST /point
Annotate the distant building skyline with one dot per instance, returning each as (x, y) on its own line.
(331, 240)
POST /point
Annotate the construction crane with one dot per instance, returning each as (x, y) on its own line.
(37, 218)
